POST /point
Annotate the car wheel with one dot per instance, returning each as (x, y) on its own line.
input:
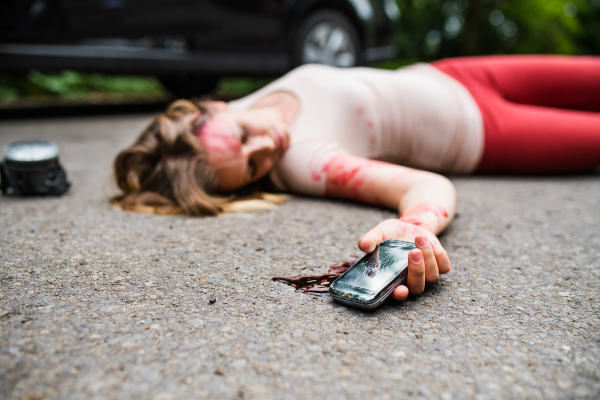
(327, 37)
(185, 85)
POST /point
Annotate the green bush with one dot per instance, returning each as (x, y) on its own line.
(70, 84)
(433, 29)
(429, 30)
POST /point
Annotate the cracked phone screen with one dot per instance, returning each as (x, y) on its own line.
(374, 272)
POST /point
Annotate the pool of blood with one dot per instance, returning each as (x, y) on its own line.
(316, 285)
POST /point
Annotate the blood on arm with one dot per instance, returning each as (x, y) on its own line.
(364, 180)
(425, 201)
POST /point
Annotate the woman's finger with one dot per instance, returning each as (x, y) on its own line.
(443, 261)
(368, 242)
(415, 281)
(388, 229)
(431, 268)
(400, 293)
(384, 230)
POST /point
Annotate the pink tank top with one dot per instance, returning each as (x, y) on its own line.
(416, 116)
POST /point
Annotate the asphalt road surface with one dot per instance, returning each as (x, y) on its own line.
(97, 303)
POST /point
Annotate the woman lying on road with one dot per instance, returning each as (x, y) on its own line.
(370, 135)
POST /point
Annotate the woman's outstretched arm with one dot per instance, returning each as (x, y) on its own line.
(426, 203)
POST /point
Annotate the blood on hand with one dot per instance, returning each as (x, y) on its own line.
(422, 214)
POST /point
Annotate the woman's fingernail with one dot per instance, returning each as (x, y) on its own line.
(421, 241)
(417, 257)
(360, 242)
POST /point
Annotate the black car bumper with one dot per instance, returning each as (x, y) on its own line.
(23, 57)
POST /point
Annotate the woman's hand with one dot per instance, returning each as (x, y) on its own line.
(424, 263)
(425, 201)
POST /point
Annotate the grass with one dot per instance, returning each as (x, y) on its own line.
(73, 87)
(237, 87)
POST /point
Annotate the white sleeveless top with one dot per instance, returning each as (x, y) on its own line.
(416, 116)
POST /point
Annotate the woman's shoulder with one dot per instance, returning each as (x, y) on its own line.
(294, 82)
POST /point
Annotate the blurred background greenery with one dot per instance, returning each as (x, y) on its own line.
(433, 29)
(429, 30)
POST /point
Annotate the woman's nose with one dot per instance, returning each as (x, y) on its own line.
(259, 144)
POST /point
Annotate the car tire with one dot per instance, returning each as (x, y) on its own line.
(327, 37)
(186, 85)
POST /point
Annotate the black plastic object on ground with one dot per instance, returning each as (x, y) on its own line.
(32, 168)
(369, 282)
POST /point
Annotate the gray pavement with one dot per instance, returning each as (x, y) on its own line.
(97, 303)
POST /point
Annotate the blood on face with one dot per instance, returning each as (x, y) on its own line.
(216, 134)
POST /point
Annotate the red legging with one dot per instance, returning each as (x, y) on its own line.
(540, 113)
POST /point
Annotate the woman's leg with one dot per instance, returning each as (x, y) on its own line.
(532, 139)
(528, 107)
(543, 80)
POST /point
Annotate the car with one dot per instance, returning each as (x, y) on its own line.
(189, 44)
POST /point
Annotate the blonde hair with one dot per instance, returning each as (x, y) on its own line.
(166, 171)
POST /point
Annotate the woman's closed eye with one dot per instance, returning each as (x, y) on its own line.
(198, 124)
(244, 136)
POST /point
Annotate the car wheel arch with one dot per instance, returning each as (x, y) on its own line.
(298, 10)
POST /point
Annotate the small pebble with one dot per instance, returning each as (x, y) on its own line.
(212, 301)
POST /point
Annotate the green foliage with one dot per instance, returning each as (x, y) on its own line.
(433, 29)
(396, 63)
(546, 26)
(70, 84)
(429, 30)
(9, 88)
(589, 41)
(240, 86)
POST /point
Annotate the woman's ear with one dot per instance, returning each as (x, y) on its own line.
(219, 105)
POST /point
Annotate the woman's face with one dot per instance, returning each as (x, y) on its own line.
(242, 146)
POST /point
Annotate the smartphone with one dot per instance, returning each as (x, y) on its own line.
(374, 277)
